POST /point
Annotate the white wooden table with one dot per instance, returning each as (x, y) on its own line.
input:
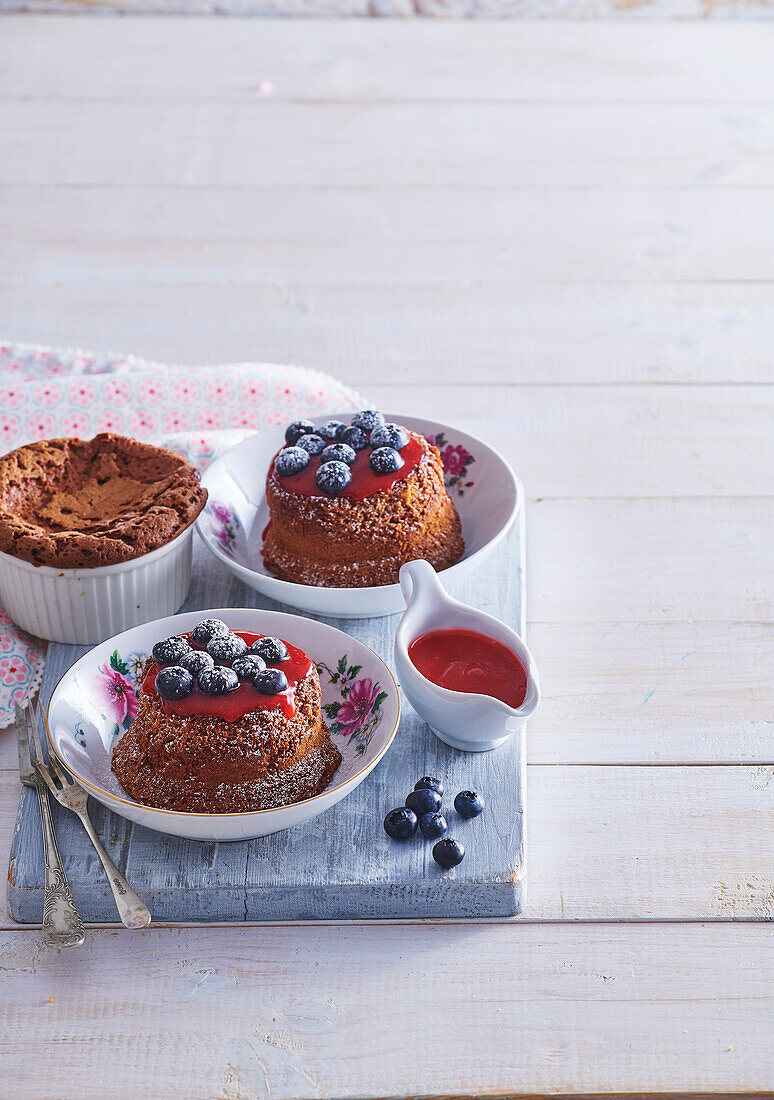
(561, 236)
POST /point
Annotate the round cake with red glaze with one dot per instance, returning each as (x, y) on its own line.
(227, 722)
(349, 504)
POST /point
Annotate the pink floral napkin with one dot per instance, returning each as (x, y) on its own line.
(197, 411)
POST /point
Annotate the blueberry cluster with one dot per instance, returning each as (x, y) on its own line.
(422, 810)
(219, 668)
(337, 445)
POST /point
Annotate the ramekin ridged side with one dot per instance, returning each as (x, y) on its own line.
(86, 606)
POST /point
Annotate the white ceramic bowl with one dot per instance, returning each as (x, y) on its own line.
(93, 704)
(84, 606)
(482, 485)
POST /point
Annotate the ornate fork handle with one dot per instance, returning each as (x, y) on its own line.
(62, 924)
(133, 912)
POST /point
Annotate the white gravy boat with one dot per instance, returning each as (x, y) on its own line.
(463, 720)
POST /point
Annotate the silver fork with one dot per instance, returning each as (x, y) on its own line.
(62, 924)
(133, 912)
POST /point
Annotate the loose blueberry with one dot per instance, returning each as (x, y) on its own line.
(333, 478)
(331, 431)
(271, 681)
(429, 783)
(204, 631)
(291, 461)
(448, 853)
(368, 419)
(270, 650)
(218, 681)
(389, 435)
(385, 460)
(196, 660)
(424, 802)
(248, 667)
(433, 825)
(170, 650)
(400, 824)
(354, 437)
(225, 648)
(294, 431)
(313, 444)
(469, 804)
(174, 682)
(338, 452)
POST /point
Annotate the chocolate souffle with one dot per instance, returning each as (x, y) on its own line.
(227, 722)
(351, 503)
(82, 503)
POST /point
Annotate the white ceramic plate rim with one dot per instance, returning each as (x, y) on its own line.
(268, 581)
(108, 799)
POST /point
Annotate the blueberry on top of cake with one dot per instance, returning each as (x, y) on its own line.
(227, 721)
(349, 514)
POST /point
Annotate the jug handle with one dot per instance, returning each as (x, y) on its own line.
(420, 586)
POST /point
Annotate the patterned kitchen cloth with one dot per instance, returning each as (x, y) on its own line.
(197, 411)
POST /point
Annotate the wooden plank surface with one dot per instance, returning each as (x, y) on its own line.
(395, 234)
(496, 332)
(603, 843)
(296, 1013)
(394, 60)
(557, 146)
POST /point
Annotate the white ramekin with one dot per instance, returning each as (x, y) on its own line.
(86, 606)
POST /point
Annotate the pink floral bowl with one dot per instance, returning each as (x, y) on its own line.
(95, 702)
(481, 483)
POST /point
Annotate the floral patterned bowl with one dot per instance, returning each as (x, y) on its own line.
(482, 485)
(95, 702)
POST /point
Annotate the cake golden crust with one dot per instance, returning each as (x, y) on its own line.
(342, 542)
(204, 764)
(75, 503)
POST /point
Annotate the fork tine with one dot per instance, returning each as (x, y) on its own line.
(53, 763)
(42, 767)
(31, 742)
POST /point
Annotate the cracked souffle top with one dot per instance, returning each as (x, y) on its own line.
(82, 503)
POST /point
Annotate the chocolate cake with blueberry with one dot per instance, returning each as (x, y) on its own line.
(351, 503)
(227, 721)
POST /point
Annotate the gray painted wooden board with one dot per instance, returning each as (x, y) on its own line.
(340, 865)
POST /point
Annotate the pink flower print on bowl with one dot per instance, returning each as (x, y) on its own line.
(13, 670)
(358, 714)
(114, 691)
(81, 393)
(224, 524)
(456, 461)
